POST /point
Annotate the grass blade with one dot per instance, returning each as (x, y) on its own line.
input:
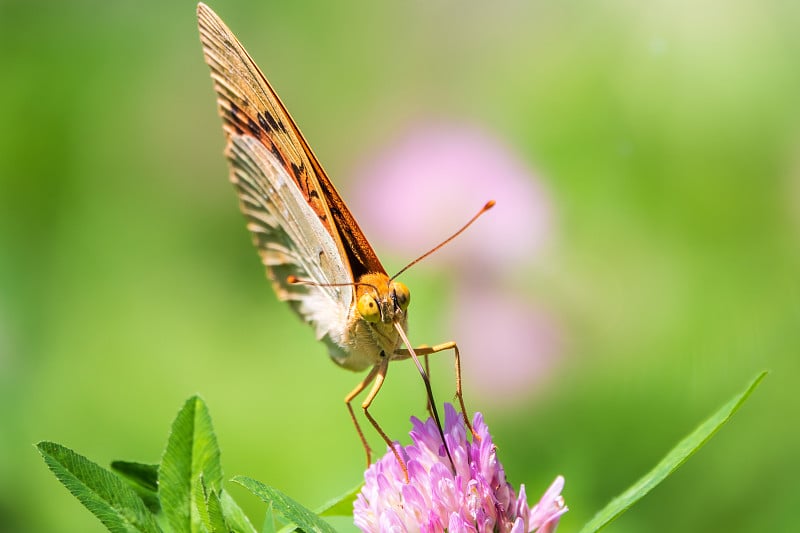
(341, 506)
(674, 459)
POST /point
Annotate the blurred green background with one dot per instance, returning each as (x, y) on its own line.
(668, 135)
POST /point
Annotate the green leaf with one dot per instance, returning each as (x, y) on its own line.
(674, 459)
(237, 520)
(107, 496)
(145, 475)
(201, 497)
(287, 507)
(343, 505)
(269, 520)
(143, 478)
(191, 451)
(218, 523)
(209, 508)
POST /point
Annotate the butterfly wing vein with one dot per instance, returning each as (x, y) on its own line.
(299, 223)
(291, 240)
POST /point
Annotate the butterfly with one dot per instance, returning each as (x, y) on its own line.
(315, 254)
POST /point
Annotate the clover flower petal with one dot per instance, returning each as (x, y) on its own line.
(471, 495)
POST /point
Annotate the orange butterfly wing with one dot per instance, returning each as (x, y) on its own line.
(249, 107)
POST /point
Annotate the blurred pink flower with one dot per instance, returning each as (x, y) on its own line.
(472, 494)
(436, 176)
(509, 344)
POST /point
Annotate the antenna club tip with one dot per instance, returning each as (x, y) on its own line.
(489, 205)
(292, 279)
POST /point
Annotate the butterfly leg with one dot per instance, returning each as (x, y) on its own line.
(429, 350)
(378, 375)
(349, 398)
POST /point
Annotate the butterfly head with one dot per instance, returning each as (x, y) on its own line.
(381, 300)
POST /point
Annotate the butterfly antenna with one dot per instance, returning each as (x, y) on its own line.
(294, 280)
(489, 205)
(427, 382)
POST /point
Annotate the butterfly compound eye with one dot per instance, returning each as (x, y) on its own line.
(401, 294)
(368, 308)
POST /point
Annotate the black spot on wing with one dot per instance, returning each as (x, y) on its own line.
(234, 111)
(300, 170)
(335, 211)
(263, 123)
(268, 122)
(278, 155)
(305, 181)
(253, 127)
